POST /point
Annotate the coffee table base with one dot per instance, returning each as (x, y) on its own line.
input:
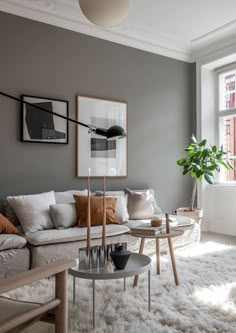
(94, 298)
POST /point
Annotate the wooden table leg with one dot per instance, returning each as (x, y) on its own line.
(140, 252)
(158, 256)
(173, 261)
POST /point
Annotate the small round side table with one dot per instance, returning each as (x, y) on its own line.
(168, 236)
(137, 264)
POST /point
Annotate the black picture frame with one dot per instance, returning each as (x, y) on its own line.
(42, 127)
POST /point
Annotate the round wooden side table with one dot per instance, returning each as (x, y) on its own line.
(168, 236)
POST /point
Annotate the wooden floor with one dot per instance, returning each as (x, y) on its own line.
(211, 236)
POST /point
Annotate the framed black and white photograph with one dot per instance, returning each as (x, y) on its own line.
(40, 126)
(103, 157)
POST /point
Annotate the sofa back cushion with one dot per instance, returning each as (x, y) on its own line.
(68, 196)
(64, 215)
(96, 210)
(33, 210)
(6, 227)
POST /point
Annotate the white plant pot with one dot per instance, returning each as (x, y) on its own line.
(196, 214)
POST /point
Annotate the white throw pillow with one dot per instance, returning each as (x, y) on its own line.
(33, 210)
(64, 215)
(121, 209)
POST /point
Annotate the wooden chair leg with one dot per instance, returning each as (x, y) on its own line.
(61, 313)
(158, 256)
(173, 261)
(140, 252)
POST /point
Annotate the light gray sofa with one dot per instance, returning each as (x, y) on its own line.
(14, 255)
(46, 246)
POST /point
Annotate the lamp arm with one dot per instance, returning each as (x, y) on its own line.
(114, 132)
(51, 112)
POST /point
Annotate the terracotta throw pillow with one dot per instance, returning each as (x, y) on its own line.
(96, 209)
(6, 227)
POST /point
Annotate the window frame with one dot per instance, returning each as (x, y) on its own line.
(220, 114)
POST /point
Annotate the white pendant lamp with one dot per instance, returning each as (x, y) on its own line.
(105, 13)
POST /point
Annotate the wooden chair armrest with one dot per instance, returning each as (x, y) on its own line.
(35, 274)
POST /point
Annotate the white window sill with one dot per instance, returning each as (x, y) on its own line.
(224, 184)
(229, 187)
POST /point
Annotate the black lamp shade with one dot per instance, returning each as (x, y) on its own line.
(115, 132)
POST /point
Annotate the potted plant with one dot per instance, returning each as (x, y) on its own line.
(201, 163)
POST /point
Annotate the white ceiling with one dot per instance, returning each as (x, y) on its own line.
(180, 29)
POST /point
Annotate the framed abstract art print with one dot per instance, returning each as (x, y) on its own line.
(103, 157)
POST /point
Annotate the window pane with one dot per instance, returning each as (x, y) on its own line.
(227, 90)
(228, 139)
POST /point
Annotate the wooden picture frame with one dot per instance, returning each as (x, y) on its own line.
(94, 152)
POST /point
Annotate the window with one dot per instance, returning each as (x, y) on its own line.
(226, 117)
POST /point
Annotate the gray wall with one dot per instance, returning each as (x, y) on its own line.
(42, 60)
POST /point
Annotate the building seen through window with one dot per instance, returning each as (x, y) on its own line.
(226, 114)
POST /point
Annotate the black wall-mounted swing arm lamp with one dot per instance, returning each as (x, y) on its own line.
(113, 133)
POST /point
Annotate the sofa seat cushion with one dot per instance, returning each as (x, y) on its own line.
(73, 234)
(10, 241)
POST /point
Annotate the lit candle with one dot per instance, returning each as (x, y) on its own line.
(104, 213)
(88, 214)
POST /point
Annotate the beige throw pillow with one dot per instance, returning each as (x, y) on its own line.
(33, 211)
(141, 204)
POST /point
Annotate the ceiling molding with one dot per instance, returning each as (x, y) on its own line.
(67, 15)
(46, 11)
(216, 34)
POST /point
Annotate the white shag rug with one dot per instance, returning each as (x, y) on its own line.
(205, 301)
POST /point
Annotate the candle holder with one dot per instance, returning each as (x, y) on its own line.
(97, 256)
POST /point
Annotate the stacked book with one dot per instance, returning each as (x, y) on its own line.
(148, 230)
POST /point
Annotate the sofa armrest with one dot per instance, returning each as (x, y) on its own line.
(35, 274)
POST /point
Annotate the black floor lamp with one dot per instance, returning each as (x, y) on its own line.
(113, 133)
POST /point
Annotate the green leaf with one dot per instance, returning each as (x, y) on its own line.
(208, 172)
(205, 153)
(202, 143)
(212, 167)
(208, 179)
(181, 161)
(230, 165)
(214, 149)
(224, 164)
